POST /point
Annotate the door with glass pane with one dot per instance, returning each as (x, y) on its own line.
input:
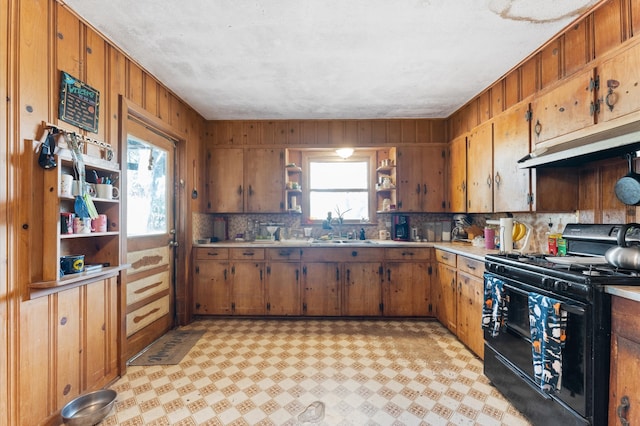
(149, 186)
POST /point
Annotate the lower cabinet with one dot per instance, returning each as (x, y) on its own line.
(312, 281)
(624, 399)
(407, 282)
(458, 295)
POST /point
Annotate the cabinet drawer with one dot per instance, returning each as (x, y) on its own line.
(204, 253)
(470, 266)
(446, 257)
(343, 254)
(285, 253)
(407, 253)
(246, 254)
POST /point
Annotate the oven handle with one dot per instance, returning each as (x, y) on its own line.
(523, 377)
(572, 309)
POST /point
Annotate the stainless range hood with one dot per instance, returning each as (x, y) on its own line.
(577, 149)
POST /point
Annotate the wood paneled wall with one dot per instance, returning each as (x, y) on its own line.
(322, 133)
(594, 36)
(39, 39)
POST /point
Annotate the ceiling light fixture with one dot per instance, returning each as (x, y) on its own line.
(344, 153)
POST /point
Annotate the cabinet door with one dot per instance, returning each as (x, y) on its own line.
(362, 289)
(264, 180)
(563, 110)
(480, 169)
(212, 288)
(321, 287)
(458, 175)
(625, 362)
(67, 344)
(421, 178)
(283, 289)
(247, 290)
(446, 305)
(511, 143)
(469, 312)
(407, 289)
(101, 333)
(619, 89)
(225, 180)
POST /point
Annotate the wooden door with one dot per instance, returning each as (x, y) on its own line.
(469, 312)
(446, 305)
(619, 90)
(362, 288)
(68, 346)
(225, 186)
(321, 288)
(433, 194)
(283, 289)
(409, 178)
(407, 289)
(564, 109)
(247, 290)
(457, 202)
(96, 353)
(150, 227)
(510, 143)
(212, 288)
(480, 169)
(625, 362)
(264, 180)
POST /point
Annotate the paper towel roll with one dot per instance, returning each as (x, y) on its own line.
(506, 234)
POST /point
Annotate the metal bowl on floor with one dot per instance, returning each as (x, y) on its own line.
(89, 409)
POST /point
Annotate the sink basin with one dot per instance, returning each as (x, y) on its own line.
(345, 242)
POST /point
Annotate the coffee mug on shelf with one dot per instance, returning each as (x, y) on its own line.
(66, 185)
(66, 223)
(99, 224)
(89, 188)
(82, 225)
(107, 191)
(384, 234)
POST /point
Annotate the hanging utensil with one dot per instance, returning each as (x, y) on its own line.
(194, 193)
(627, 188)
(80, 204)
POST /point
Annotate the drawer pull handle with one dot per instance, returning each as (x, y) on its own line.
(210, 253)
(248, 253)
(141, 317)
(623, 409)
(473, 268)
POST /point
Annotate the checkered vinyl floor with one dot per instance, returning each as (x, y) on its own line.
(315, 372)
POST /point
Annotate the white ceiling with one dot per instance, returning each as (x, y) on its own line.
(322, 59)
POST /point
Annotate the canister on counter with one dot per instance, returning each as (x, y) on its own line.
(562, 246)
(553, 244)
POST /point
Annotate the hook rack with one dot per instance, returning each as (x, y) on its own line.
(108, 149)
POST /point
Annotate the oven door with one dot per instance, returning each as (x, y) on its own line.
(513, 347)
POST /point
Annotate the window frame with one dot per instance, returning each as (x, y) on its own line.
(327, 155)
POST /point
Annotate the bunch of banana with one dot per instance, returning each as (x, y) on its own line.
(519, 231)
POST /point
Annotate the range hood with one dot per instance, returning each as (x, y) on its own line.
(576, 150)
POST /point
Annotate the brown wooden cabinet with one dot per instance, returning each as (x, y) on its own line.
(247, 288)
(282, 291)
(469, 302)
(480, 169)
(457, 181)
(421, 178)
(212, 281)
(624, 395)
(619, 92)
(444, 294)
(407, 282)
(458, 297)
(566, 108)
(245, 180)
(321, 283)
(362, 288)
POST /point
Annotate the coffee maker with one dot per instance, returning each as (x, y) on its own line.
(400, 230)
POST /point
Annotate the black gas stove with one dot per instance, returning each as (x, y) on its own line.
(577, 282)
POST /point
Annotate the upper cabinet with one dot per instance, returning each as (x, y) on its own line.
(245, 180)
(568, 107)
(480, 169)
(619, 91)
(421, 178)
(511, 190)
(457, 201)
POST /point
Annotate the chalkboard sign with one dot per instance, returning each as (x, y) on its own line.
(78, 103)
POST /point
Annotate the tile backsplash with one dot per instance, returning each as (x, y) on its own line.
(237, 224)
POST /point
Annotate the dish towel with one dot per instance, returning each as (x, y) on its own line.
(495, 307)
(548, 324)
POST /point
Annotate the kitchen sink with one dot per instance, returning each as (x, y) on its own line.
(345, 242)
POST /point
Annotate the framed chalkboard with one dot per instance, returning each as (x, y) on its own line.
(79, 103)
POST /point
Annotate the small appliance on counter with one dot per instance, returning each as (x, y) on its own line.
(460, 223)
(400, 230)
